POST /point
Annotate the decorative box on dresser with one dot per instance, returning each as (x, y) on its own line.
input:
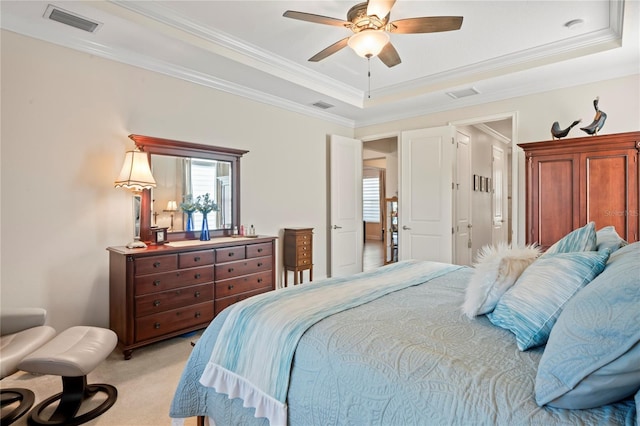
(572, 182)
(164, 291)
(298, 253)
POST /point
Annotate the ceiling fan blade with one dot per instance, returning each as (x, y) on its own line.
(389, 55)
(318, 19)
(431, 24)
(329, 50)
(380, 8)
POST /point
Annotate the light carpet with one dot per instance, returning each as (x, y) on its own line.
(145, 384)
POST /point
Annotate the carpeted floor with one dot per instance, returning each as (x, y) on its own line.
(145, 384)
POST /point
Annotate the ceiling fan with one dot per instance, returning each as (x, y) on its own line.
(370, 24)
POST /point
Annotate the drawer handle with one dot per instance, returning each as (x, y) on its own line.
(259, 280)
(197, 294)
(230, 270)
(156, 303)
(259, 264)
(230, 287)
(231, 254)
(156, 283)
(178, 292)
(197, 315)
(259, 250)
(156, 264)
(196, 276)
(156, 325)
(196, 259)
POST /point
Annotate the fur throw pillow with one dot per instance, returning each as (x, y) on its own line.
(497, 268)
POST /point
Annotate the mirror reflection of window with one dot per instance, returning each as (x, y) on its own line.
(205, 176)
(178, 177)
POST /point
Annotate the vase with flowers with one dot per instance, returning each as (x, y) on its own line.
(188, 206)
(205, 205)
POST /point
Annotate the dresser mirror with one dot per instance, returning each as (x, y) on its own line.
(183, 171)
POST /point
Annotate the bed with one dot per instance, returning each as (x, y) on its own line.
(410, 356)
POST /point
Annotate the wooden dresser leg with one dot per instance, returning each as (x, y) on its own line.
(200, 421)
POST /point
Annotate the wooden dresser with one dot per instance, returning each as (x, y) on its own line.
(572, 182)
(298, 253)
(163, 291)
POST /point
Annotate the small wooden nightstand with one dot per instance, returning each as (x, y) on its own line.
(298, 253)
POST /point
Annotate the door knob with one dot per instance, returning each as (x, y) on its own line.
(337, 227)
(406, 228)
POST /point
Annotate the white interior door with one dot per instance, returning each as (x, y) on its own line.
(499, 205)
(346, 229)
(426, 199)
(462, 198)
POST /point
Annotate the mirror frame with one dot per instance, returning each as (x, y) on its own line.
(160, 146)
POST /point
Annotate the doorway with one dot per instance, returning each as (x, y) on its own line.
(379, 158)
(493, 204)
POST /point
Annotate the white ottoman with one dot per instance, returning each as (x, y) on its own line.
(72, 354)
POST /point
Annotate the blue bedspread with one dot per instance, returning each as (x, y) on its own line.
(408, 358)
(271, 325)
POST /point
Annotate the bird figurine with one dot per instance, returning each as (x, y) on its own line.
(557, 132)
(598, 120)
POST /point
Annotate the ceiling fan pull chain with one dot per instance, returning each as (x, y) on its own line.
(369, 76)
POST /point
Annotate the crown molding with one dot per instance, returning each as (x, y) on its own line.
(248, 54)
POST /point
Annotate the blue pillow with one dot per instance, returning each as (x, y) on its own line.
(531, 307)
(581, 239)
(607, 237)
(592, 357)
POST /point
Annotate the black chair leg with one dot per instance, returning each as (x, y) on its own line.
(25, 399)
(74, 392)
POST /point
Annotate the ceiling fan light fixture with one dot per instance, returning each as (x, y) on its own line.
(368, 43)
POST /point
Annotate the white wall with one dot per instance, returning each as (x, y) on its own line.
(65, 120)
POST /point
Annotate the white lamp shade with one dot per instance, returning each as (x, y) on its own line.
(135, 173)
(368, 43)
(172, 205)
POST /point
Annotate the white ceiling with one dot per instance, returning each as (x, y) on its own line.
(504, 49)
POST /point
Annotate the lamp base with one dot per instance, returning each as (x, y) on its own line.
(136, 244)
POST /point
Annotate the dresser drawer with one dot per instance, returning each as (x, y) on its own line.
(302, 261)
(195, 258)
(304, 239)
(151, 265)
(156, 325)
(171, 299)
(229, 254)
(243, 284)
(303, 251)
(243, 267)
(166, 281)
(259, 250)
(220, 304)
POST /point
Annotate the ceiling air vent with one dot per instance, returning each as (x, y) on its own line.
(322, 105)
(65, 17)
(463, 93)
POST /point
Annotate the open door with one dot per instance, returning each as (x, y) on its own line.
(346, 226)
(499, 208)
(426, 194)
(462, 201)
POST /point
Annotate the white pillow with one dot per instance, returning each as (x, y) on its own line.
(496, 270)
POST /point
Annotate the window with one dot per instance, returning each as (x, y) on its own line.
(203, 180)
(371, 199)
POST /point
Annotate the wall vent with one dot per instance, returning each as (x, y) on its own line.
(463, 93)
(322, 105)
(74, 20)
